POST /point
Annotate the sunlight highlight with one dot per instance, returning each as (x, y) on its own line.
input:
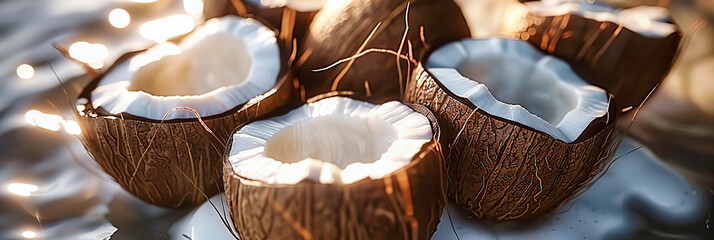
(153, 54)
(22, 189)
(162, 29)
(72, 127)
(52, 122)
(119, 18)
(46, 121)
(25, 71)
(90, 53)
(96, 65)
(29, 234)
(193, 7)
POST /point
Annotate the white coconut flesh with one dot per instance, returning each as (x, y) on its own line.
(299, 5)
(650, 21)
(336, 140)
(512, 80)
(222, 64)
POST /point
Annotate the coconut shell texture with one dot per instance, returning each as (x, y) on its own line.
(605, 54)
(404, 205)
(217, 8)
(169, 164)
(295, 21)
(501, 170)
(339, 30)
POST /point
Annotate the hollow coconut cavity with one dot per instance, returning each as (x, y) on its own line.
(512, 80)
(342, 159)
(140, 120)
(219, 66)
(335, 140)
(626, 51)
(523, 131)
(649, 21)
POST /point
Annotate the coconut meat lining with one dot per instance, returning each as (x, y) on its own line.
(512, 80)
(650, 21)
(299, 5)
(222, 64)
(331, 141)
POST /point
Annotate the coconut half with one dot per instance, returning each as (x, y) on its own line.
(522, 130)
(221, 65)
(140, 120)
(511, 80)
(625, 51)
(334, 168)
(340, 30)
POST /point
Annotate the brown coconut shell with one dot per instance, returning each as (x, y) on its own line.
(290, 23)
(405, 205)
(605, 54)
(174, 162)
(218, 8)
(339, 32)
(502, 170)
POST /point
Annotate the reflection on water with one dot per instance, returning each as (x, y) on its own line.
(193, 7)
(119, 18)
(25, 71)
(93, 54)
(52, 122)
(29, 234)
(22, 189)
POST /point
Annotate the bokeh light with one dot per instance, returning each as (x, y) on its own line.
(119, 18)
(22, 189)
(193, 7)
(46, 121)
(96, 65)
(52, 122)
(88, 52)
(29, 234)
(25, 71)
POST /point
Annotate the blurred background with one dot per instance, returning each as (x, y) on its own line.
(51, 189)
